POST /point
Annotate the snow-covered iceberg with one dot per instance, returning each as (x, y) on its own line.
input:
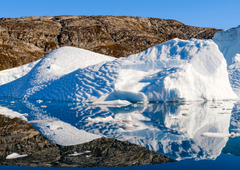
(12, 74)
(175, 70)
(229, 44)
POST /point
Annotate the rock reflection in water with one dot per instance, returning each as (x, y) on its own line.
(20, 137)
(172, 129)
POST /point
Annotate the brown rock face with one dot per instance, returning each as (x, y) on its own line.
(26, 39)
(17, 136)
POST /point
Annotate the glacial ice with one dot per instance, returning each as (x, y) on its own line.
(228, 42)
(177, 70)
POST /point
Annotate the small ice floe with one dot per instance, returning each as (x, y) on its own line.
(12, 101)
(219, 135)
(39, 101)
(76, 154)
(112, 102)
(15, 156)
(39, 121)
(87, 151)
(25, 114)
(127, 119)
(43, 106)
(127, 126)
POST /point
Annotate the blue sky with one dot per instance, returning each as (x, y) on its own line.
(221, 14)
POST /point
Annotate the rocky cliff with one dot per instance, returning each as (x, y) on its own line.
(26, 39)
(17, 136)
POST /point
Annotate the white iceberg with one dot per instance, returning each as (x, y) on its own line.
(172, 71)
(12, 74)
(229, 44)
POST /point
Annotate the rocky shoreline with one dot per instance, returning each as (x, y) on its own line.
(27, 39)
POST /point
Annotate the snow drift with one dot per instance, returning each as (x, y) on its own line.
(172, 71)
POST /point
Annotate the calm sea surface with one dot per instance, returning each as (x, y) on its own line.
(171, 129)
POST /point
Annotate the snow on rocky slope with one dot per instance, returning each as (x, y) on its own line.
(175, 70)
(229, 44)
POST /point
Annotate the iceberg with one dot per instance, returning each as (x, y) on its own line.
(12, 74)
(228, 42)
(177, 70)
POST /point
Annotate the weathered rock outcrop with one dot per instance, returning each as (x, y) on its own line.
(17, 136)
(26, 39)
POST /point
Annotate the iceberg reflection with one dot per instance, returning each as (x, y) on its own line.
(172, 129)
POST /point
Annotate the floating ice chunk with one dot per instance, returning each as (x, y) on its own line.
(43, 106)
(15, 156)
(219, 135)
(39, 101)
(112, 102)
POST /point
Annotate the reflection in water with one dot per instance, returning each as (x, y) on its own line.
(172, 129)
(23, 145)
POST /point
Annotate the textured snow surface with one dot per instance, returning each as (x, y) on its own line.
(53, 66)
(172, 71)
(229, 44)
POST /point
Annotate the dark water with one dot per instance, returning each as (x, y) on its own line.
(172, 129)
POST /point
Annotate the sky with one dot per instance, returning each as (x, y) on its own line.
(221, 14)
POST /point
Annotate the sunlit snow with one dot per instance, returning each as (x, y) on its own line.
(177, 70)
